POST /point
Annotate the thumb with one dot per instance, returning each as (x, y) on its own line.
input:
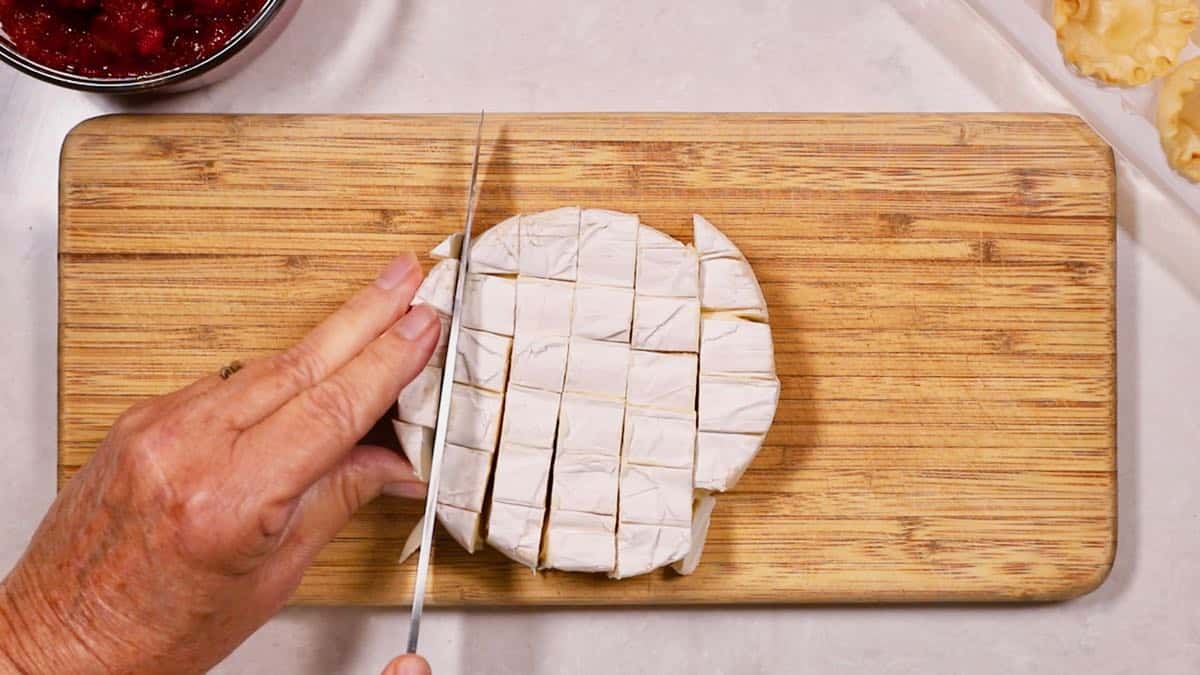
(408, 664)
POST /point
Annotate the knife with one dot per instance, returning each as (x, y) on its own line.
(443, 411)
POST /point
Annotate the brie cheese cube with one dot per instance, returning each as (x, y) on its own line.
(489, 303)
(666, 324)
(544, 306)
(496, 250)
(522, 475)
(701, 516)
(656, 495)
(721, 459)
(437, 289)
(728, 284)
(737, 404)
(482, 359)
(463, 525)
(579, 542)
(465, 475)
(671, 272)
(417, 443)
(590, 425)
(597, 367)
(516, 531)
(530, 416)
(418, 402)
(539, 361)
(585, 483)
(474, 417)
(660, 438)
(662, 380)
(645, 548)
(602, 313)
(439, 352)
(450, 247)
(549, 246)
(733, 346)
(648, 237)
(710, 242)
(607, 247)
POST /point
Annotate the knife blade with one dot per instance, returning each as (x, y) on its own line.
(443, 411)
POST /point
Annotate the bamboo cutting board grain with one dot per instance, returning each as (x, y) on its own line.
(940, 289)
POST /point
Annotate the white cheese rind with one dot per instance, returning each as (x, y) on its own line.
(522, 475)
(721, 459)
(474, 417)
(597, 367)
(590, 425)
(579, 542)
(656, 495)
(645, 548)
(584, 483)
(666, 324)
(482, 359)
(670, 272)
(418, 401)
(544, 306)
(659, 438)
(607, 248)
(602, 313)
(737, 404)
(530, 416)
(417, 443)
(496, 251)
(489, 303)
(437, 289)
(463, 525)
(662, 380)
(549, 246)
(648, 237)
(516, 531)
(729, 285)
(539, 361)
(735, 347)
(701, 517)
(711, 242)
(465, 473)
(450, 247)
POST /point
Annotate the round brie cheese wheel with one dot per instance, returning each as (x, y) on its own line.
(608, 380)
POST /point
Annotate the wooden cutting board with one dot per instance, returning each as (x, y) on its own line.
(940, 288)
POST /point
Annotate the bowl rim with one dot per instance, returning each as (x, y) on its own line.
(141, 83)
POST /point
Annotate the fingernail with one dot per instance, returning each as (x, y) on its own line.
(396, 271)
(414, 324)
(407, 490)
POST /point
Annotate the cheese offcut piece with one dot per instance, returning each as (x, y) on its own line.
(597, 367)
(579, 542)
(584, 483)
(489, 303)
(544, 306)
(645, 548)
(660, 438)
(735, 347)
(496, 250)
(530, 416)
(450, 247)
(671, 272)
(463, 525)
(439, 352)
(418, 401)
(729, 285)
(539, 361)
(482, 359)
(474, 417)
(701, 517)
(412, 543)
(737, 404)
(417, 443)
(662, 380)
(666, 324)
(711, 242)
(549, 246)
(437, 290)
(602, 313)
(516, 531)
(522, 475)
(607, 247)
(590, 425)
(655, 495)
(721, 459)
(465, 475)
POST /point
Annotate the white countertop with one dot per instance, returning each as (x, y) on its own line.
(748, 55)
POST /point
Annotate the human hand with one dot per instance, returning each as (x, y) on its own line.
(408, 664)
(194, 521)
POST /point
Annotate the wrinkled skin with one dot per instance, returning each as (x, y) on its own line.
(199, 512)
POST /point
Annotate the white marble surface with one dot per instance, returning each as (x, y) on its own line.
(760, 55)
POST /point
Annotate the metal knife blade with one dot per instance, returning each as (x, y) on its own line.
(443, 418)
